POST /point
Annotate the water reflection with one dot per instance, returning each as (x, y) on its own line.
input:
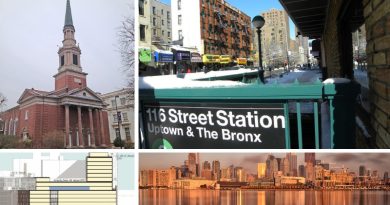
(269, 197)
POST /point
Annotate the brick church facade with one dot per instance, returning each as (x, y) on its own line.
(71, 108)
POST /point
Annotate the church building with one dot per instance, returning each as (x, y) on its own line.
(71, 108)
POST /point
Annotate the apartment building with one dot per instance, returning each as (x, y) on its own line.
(154, 24)
(211, 27)
(275, 37)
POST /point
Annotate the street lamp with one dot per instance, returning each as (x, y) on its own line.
(118, 119)
(258, 22)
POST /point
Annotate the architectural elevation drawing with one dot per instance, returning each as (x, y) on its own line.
(66, 178)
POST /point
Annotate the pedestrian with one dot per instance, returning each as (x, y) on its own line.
(205, 70)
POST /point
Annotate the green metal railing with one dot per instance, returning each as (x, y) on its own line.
(339, 98)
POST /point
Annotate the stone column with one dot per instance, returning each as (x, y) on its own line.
(80, 127)
(67, 140)
(102, 141)
(97, 134)
(92, 132)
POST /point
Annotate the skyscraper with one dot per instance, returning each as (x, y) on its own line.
(301, 171)
(206, 165)
(216, 170)
(192, 164)
(197, 165)
(285, 167)
(310, 174)
(206, 171)
(362, 170)
(310, 157)
(240, 174)
(292, 158)
(272, 166)
(261, 167)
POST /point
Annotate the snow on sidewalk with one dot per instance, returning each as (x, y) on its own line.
(192, 80)
(303, 76)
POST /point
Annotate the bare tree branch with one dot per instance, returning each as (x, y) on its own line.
(3, 100)
(126, 39)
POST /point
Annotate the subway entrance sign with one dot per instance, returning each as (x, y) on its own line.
(213, 125)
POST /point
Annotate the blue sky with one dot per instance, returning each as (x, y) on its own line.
(255, 7)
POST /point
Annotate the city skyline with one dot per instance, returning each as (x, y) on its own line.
(372, 161)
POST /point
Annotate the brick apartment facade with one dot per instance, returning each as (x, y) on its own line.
(72, 108)
(225, 30)
(211, 27)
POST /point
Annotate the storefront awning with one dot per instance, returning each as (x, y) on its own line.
(196, 58)
(225, 59)
(181, 55)
(241, 61)
(162, 56)
(207, 58)
(145, 55)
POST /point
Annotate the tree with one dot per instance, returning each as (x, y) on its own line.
(8, 142)
(118, 142)
(53, 140)
(3, 99)
(126, 40)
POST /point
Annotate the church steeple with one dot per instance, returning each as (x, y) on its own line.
(69, 57)
(69, 53)
(68, 15)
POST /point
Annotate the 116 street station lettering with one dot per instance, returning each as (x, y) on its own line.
(217, 125)
(221, 118)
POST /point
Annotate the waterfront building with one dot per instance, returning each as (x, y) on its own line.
(310, 157)
(206, 172)
(289, 181)
(301, 171)
(272, 166)
(193, 183)
(216, 170)
(362, 170)
(292, 158)
(72, 114)
(261, 169)
(285, 168)
(240, 174)
(211, 27)
(192, 165)
(120, 109)
(146, 178)
(310, 175)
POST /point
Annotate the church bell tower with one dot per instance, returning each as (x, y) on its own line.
(70, 75)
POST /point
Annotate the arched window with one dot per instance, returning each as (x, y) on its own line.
(5, 127)
(15, 126)
(9, 126)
